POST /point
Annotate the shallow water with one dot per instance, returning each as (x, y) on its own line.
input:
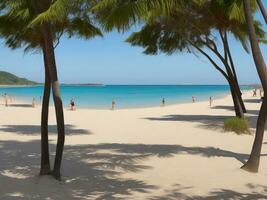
(126, 96)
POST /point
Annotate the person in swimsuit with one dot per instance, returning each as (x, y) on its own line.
(33, 103)
(113, 103)
(211, 101)
(72, 105)
(163, 102)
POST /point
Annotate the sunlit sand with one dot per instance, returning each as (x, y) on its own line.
(172, 152)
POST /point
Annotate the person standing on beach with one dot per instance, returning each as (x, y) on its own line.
(211, 101)
(72, 105)
(193, 99)
(33, 103)
(113, 103)
(254, 93)
(5, 99)
(163, 102)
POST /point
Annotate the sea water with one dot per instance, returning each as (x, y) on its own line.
(125, 96)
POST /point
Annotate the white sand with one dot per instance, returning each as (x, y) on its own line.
(172, 152)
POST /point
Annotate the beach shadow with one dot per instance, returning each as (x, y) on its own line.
(253, 100)
(89, 171)
(97, 178)
(20, 105)
(36, 129)
(214, 122)
(206, 121)
(223, 194)
(230, 108)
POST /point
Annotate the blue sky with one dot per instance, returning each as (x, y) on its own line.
(110, 60)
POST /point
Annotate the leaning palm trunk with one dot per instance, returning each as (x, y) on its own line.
(236, 100)
(45, 163)
(235, 93)
(239, 96)
(51, 63)
(238, 91)
(233, 71)
(228, 76)
(262, 9)
(253, 162)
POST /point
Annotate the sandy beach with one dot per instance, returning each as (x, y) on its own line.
(172, 152)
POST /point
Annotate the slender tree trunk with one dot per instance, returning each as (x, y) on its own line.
(253, 162)
(237, 106)
(228, 74)
(234, 73)
(51, 63)
(263, 11)
(230, 68)
(238, 109)
(235, 92)
(45, 163)
(239, 95)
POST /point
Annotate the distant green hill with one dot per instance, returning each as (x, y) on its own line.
(10, 79)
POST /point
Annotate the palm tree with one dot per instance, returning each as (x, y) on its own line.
(40, 24)
(252, 164)
(200, 19)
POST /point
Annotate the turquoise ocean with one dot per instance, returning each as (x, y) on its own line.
(126, 96)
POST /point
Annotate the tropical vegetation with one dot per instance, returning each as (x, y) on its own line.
(11, 79)
(167, 26)
(39, 25)
(237, 125)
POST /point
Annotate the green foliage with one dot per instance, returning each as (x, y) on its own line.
(174, 25)
(10, 79)
(237, 125)
(22, 20)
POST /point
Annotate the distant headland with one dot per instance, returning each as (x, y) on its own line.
(8, 79)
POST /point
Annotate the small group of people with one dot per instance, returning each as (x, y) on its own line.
(113, 103)
(8, 100)
(194, 99)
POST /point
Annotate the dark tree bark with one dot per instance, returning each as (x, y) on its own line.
(262, 9)
(45, 163)
(252, 165)
(228, 76)
(237, 105)
(228, 52)
(230, 69)
(51, 63)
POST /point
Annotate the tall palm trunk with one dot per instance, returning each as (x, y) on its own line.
(230, 68)
(45, 163)
(235, 91)
(51, 63)
(239, 93)
(237, 105)
(263, 11)
(227, 75)
(252, 164)
(234, 87)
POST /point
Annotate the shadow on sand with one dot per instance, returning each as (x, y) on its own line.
(35, 129)
(209, 121)
(91, 171)
(206, 121)
(221, 194)
(21, 105)
(253, 100)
